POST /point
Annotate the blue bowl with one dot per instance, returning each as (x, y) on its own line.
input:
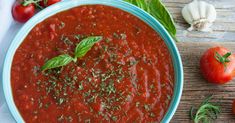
(178, 69)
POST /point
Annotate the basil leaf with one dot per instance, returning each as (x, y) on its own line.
(142, 4)
(58, 61)
(159, 12)
(81, 49)
(85, 45)
(132, 2)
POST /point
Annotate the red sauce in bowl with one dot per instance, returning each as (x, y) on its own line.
(126, 77)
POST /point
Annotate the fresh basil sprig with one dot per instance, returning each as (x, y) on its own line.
(158, 11)
(81, 49)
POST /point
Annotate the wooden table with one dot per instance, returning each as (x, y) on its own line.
(224, 26)
(191, 47)
(196, 88)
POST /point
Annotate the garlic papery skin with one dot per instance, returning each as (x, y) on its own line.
(200, 15)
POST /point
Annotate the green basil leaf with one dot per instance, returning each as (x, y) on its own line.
(132, 2)
(58, 61)
(81, 49)
(142, 4)
(85, 45)
(159, 12)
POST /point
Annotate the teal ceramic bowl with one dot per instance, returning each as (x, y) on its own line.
(178, 69)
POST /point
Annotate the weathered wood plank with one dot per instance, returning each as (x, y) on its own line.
(224, 26)
(196, 88)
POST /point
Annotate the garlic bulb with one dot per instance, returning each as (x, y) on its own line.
(200, 15)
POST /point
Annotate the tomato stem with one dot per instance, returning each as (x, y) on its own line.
(45, 2)
(35, 2)
(222, 59)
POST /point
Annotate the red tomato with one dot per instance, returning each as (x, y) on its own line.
(22, 13)
(218, 65)
(45, 3)
(233, 108)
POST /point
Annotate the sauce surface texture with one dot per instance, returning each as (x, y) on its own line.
(126, 77)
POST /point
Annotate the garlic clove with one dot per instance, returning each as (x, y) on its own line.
(187, 15)
(193, 8)
(202, 9)
(211, 13)
(200, 15)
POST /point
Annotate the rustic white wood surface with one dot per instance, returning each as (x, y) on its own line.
(196, 88)
(224, 26)
(191, 46)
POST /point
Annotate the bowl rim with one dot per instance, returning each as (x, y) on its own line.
(65, 5)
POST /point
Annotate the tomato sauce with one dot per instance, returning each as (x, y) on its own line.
(126, 77)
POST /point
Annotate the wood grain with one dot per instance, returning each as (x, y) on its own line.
(224, 26)
(196, 88)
